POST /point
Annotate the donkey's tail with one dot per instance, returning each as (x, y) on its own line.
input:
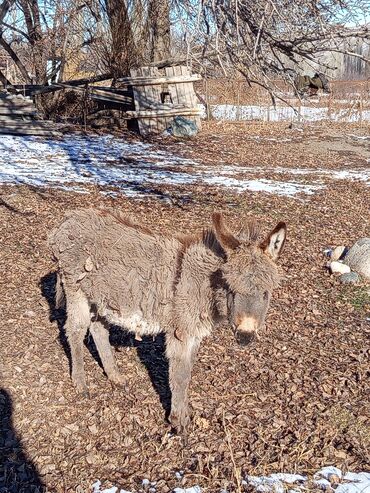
(60, 299)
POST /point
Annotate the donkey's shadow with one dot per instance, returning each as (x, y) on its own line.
(151, 351)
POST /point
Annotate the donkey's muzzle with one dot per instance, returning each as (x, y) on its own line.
(245, 338)
(246, 331)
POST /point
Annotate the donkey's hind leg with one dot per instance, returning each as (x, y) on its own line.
(100, 335)
(76, 326)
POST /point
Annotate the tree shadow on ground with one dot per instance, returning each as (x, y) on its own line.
(151, 350)
(17, 473)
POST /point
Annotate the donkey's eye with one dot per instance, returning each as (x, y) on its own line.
(265, 295)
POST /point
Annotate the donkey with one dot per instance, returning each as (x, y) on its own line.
(114, 271)
(304, 84)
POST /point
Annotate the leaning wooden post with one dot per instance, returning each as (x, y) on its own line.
(207, 98)
(237, 100)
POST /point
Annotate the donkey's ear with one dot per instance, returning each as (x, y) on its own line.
(274, 242)
(227, 239)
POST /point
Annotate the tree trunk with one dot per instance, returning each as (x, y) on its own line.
(31, 11)
(124, 53)
(159, 25)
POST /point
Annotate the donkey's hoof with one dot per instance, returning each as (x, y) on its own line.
(117, 379)
(180, 421)
(84, 394)
(82, 391)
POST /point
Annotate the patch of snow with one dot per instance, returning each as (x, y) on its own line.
(289, 478)
(279, 483)
(323, 484)
(264, 484)
(192, 489)
(359, 174)
(73, 162)
(357, 476)
(359, 137)
(325, 472)
(96, 486)
(262, 185)
(360, 487)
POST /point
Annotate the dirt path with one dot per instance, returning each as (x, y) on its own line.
(296, 400)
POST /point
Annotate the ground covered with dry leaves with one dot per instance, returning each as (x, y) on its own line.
(294, 401)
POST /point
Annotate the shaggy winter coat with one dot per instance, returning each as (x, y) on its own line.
(114, 271)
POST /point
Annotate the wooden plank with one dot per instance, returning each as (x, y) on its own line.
(150, 92)
(186, 94)
(8, 99)
(102, 95)
(33, 90)
(171, 88)
(11, 118)
(29, 131)
(154, 81)
(145, 97)
(166, 106)
(31, 124)
(137, 102)
(112, 90)
(16, 110)
(15, 102)
(158, 125)
(164, 113)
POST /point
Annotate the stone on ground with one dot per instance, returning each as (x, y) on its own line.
(339, 268)
(349, 278)
(358, 257)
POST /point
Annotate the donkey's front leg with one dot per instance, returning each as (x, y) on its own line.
(181, 356)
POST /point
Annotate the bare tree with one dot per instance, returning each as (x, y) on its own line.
(263, 39)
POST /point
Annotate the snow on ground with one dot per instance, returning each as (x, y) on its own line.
(350, 174)
(75, 161)
(269, 113)
(329, 479)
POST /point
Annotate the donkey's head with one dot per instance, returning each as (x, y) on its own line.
(249, 275)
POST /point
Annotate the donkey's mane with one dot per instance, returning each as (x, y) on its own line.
(126, 221)
(250, 232)
(207, 237)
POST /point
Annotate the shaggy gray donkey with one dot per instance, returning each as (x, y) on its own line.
(114, 271)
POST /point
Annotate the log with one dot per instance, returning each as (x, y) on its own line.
(44, 89)
(152, 81)
(96, 93)
(88, 80)
(33, 89)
